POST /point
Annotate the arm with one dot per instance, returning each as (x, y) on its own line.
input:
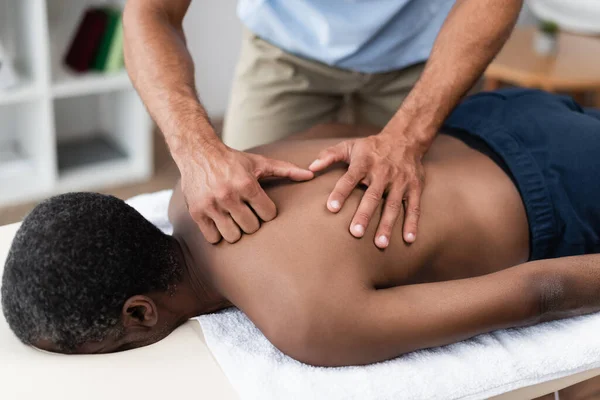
(382, 324)
(472, 35)
(162, 71)
(220, 185)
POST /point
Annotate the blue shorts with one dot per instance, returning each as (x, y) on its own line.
(551, 147)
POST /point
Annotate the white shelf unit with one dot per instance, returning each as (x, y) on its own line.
(61, 131)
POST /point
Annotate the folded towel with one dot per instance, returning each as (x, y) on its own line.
(478, 368)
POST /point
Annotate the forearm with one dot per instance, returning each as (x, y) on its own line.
(162, 71)
(472, 35)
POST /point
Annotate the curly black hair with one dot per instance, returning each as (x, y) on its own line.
(74, 262)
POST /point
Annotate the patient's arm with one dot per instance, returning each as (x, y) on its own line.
(381, 324)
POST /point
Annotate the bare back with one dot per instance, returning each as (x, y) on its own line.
(471, 224)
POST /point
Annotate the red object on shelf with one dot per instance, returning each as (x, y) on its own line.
(86, 41)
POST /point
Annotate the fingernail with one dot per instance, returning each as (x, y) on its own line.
(334, 205)
(410, 237)
(314, 164)
(382, 241)
(358, 230)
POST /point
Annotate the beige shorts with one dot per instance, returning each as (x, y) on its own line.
(276, 94)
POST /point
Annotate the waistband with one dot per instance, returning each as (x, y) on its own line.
(525, 173)
(476, 143)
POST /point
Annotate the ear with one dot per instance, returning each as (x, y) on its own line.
(139, 311)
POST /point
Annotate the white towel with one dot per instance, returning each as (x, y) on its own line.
(478, 368)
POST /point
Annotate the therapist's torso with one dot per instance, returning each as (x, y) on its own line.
(362, 35)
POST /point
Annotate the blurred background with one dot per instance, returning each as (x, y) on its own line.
(70, 119)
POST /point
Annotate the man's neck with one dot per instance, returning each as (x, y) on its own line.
(203, 297)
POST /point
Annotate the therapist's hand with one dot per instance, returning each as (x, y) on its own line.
(386, 163)
(222, 192)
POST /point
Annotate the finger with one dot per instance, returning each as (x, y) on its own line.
(227, 227)
(205, 224)
(209, 230)
(252, 193)
(338, 153)
(231, 203)
(343, 188)
(369, 203)
(261, 203)
(245, 218)
(391, 211)
(276, 168)
(412, 215)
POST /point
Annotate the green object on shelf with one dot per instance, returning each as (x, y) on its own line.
(114, 16)
(549, 27)
(115, 61)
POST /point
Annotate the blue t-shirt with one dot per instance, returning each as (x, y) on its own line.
(361, 35)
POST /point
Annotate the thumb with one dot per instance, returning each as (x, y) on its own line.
(338, 153)
(267, 167)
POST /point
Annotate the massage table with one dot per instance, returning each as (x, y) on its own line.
(178, 367)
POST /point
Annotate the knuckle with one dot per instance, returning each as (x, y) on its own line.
(415, 211)
(416, 182)
(259, 171)
(253, 227)
(349, 179)
(210, 234)
(199, 209)
(386, 171)
(234, 236)
(382, 176)
(325, 154)
(249, 187)
(358, 167)
(260, 165)
(224, 194)
(361, 165)
(362, 216)
(385, 228)
(394, 205)
(404, 175)
(373, 195)
(196, 211)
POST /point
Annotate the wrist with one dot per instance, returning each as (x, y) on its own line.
(424, 110)
(411, 130)
(191, 145)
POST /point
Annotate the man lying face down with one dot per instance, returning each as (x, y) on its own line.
(510, 209)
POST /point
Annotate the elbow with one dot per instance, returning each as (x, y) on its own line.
(139, 12)
(135, 15)
(295, 338)
(309, 348)
(131, 13)
(551, 289)
(316, 341)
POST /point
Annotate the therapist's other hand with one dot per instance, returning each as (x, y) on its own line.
(386, 163)
(222, 192)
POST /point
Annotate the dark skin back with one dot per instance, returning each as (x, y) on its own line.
(459, 209)
(303, 270)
